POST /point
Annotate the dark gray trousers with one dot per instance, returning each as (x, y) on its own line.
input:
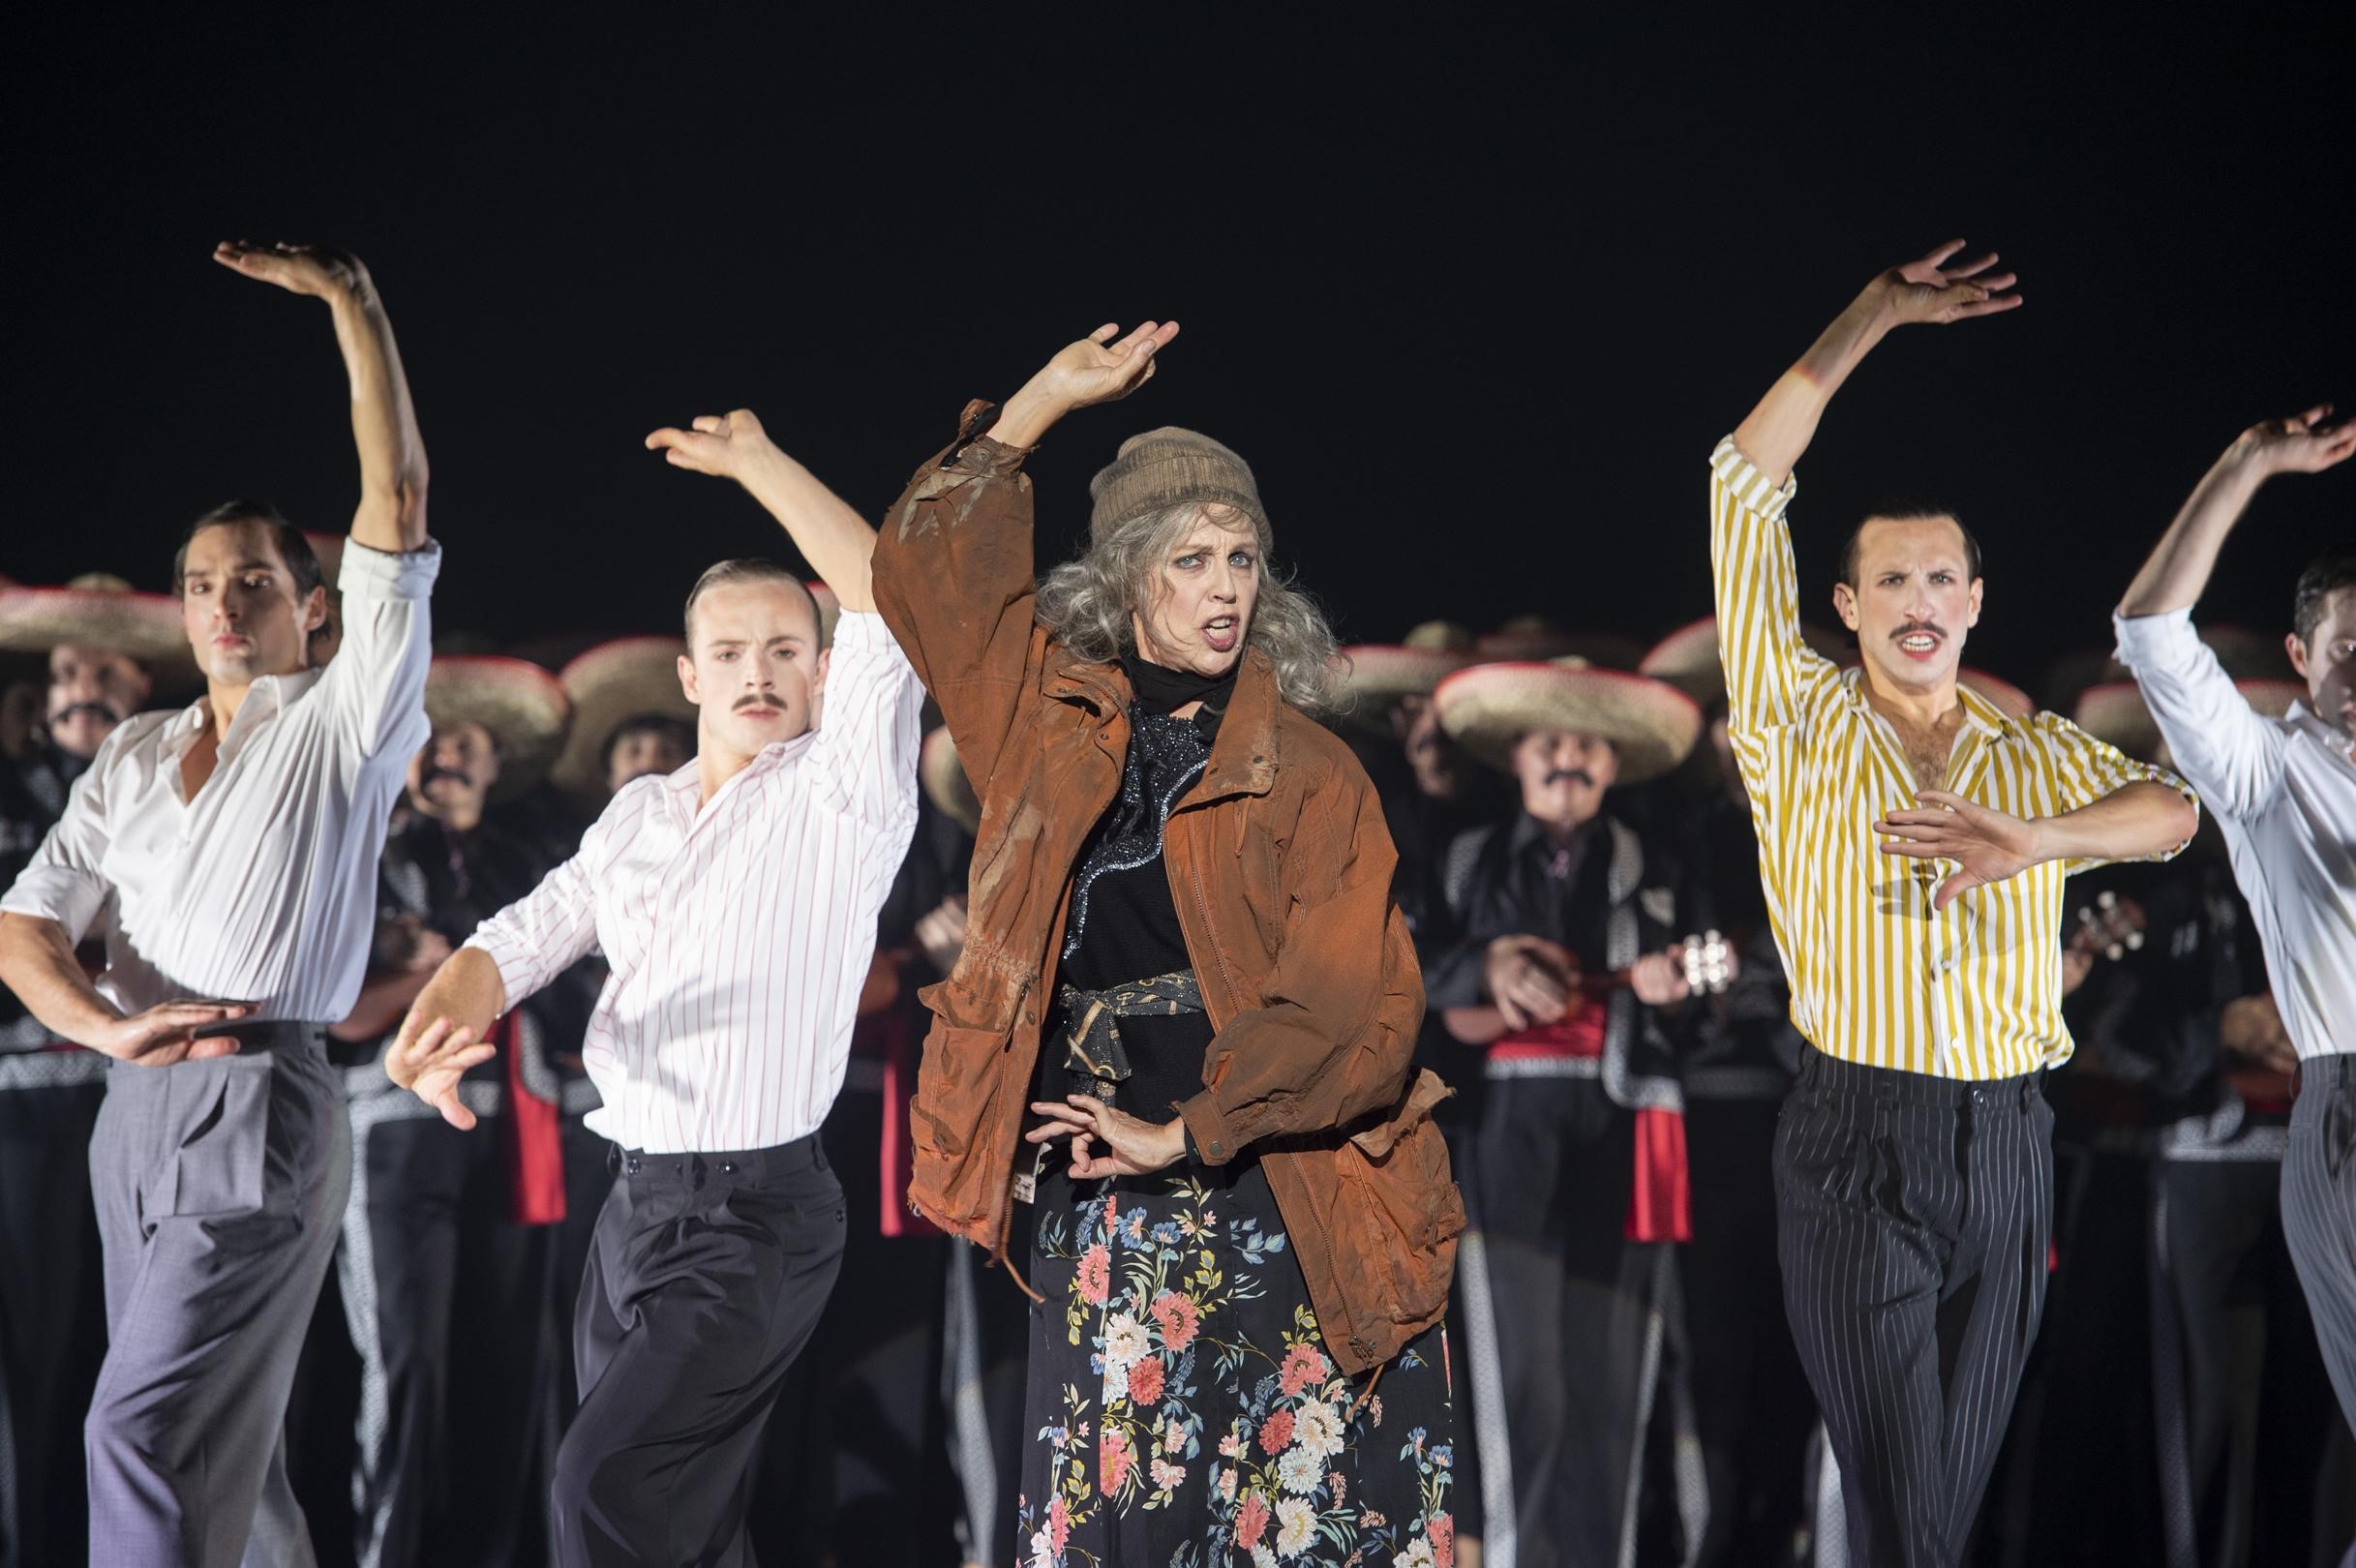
(1568, 1315)
(2319, 1211)
(707, 1274)
(220, 1188)
(1914, 1216)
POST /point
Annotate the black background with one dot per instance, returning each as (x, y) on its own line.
(1475, 300)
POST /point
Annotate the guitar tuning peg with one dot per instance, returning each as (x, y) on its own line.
(2113, 952)
(2134, 942)
(2106, 900)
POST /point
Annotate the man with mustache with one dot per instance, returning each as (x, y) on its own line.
(1574, 1177)
(735, 900)
(1913, 1162)
(227, 848)
(444, 1471)
(2284, 791)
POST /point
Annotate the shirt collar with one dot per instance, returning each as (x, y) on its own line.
(2324, 732)
(681, 786)
(1978, 714)
(265, 699)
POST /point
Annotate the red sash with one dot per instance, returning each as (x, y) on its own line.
(530, 1130)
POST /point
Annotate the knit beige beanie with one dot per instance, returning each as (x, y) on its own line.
(1167, 468)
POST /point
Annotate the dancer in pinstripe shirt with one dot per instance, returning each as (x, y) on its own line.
(736, 901)
(1913, 846)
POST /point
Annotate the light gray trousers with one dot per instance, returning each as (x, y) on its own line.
(220, 1188)
(2319, 1213)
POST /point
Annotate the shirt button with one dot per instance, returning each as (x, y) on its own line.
(1218, 1147)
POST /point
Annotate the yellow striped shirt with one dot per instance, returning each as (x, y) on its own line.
(1876, 976)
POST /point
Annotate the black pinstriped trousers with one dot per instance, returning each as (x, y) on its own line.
(1912, 1219)
(2319, 1210)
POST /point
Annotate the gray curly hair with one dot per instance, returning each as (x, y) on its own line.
(1087, 603)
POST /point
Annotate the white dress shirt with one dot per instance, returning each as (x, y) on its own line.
(263, 887)
(2284, 792)
(739, 935)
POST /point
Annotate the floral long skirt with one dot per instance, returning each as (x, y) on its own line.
(1185, 1412)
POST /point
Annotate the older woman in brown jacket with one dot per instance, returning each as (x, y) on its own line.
(1238, 1212)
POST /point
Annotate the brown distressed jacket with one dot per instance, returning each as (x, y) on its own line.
(1281, 867)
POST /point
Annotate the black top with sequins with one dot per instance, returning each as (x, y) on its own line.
(1124, 922)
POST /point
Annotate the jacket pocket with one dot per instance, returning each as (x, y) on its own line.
(1402, 1209)
(221, 1162)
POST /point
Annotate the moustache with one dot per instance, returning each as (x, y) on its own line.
(1912, 627)
(432, 775)
(744, 703)
(1578, 774)
(100, 709)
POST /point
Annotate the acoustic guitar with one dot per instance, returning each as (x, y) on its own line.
(1708, 959)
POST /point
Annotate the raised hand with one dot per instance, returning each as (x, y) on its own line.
(1129, 1147)
(320, 271)
(723, 445)
(428, 1058)
(1100, 368)
(166, 1033)
(2303, 443)
(1097, 368)
(1987, 845)
(1939, 289)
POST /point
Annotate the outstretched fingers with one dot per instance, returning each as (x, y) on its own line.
(1986, 305)
(443, 1094)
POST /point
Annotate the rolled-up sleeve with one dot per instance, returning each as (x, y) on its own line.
(866, 752)
(549, 930)
(65, 881)
(2085, 770)
(2232, 754)
(1770, 669)
(376, 680)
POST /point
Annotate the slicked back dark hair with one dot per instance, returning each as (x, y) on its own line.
(302, 565)
(1908, 510)
(2325, 576)
(751, 569)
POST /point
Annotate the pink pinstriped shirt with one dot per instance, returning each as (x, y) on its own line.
(739, 935)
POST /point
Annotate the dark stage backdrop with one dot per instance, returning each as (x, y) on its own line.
(1476, 302)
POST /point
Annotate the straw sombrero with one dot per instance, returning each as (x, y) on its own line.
(1534, 637)
(1485, 707)
(522, 704)
(329, 549)
(943, 776)
(830, 611)
(1688, 658)
(612, 682)
(99, 610)
(1375, 675)
(2016, 702)
(2114, 711)
(2245, 655)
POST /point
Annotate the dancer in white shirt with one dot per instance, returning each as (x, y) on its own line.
(233, 846)
(735, 900)
(2284, 791)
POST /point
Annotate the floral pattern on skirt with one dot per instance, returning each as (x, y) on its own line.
(1185, 1411)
